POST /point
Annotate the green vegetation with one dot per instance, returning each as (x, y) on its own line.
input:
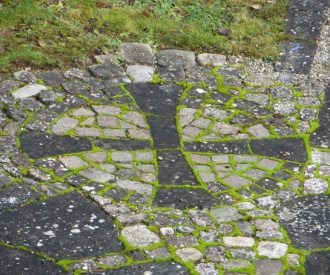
(57, 33)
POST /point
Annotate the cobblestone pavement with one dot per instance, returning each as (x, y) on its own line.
(161, 164)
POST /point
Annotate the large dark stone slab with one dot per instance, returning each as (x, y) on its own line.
(13, 261)
(164, 132)
(318, 263)
(306, 220)
(298, 56)
(51, 78)
(149, 268)
(63, 227)
(107, 70)
(122, 144)
(15, 195)
(182, 198)
(310, 5)
(286, 148)
(156, 99)
(321, 136)
(40, 145)
(174, 169)
(231, 147)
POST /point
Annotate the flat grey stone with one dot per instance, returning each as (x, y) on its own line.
(206, 59)
(135, 186)
(113, 260)
(87, 132)
(265, 224)
(226, 214)
(273, 250)
(209, 236)
(181, 241)
(207, 269)
(259, 131)
(236, 181)
(215, 253)
(78, 225)
(115, 210)
(97, 175)
(318, 263)
(268, 267)
(175, 58)
(51, 78)
(139, 235)
(73, 162)
(38, 175)
(8, 85)
(200, 218)
(107, 70)
(140, 74)
(241, 253)
(189, 254)
(29, 90)
(137, 53)
(171, 74)
(63, 125)
(88, 264)
(267, 202)
(268, 234)
(235, 264)
(238, 241)
(127, 219)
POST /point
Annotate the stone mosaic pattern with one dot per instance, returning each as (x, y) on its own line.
(208, 171)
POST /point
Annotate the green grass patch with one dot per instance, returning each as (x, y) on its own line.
(62, 34)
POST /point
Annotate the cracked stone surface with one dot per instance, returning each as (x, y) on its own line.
(223, 177)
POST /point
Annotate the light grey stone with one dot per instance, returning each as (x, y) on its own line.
(206, 269)
(215, 253)
(139, 235)
(200, 158)
(186, 116)
(207, 59)
(25, 76)
(64, 124)
(268, 202)
(186, 229)
(115, 210)
(105, 58)
(220, 158)
(140, 74)
(235, 264)
(82, 112)
(255, 173)
(139, 133)
(268, 234)
(225, 129)
(181, 241)
(142, 188)
(106, 109)
(209, 236)
(158, 253)
(207, 176)
(200, 217)
(88, 132)
(268, 267)
(167, 231)
(137, 53)
(96, 156)
(136, 118)
(265, 224)
(285, 108)
(245, 205)
(100, 200)
(113, 260)
(97, 175)
(28, 91)
(238, 241)
(315, 186)
(226, 214)
(241, 253)
(191, 131)
(201, 123)
(144, 156)
(132, 218)
(273, 250)
(268, 164)
(236, 181)
(259, 212)
(321, 157)
(189, 254)
(176, 58)
(281, 92)
(114, 132)
(239, 158)
(245, 228)
(73, 162)
(293, 259)
(260, 99)
(107, 121)
(122, 156)
(38, 175)
(215, 112)
(309, 101)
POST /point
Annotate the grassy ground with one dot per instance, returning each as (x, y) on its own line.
(65, 33)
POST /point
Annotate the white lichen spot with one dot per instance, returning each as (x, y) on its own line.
(101, 220)
(40, 243)
(55, 225)
(75, 231)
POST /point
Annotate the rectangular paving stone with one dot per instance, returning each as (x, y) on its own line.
(236, 181)
(88, 132)
(182, 241)
(114, 133)
(106, 109)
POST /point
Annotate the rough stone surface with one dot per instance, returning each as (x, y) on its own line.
(139, 235)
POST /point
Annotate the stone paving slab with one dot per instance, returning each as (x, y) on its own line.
(224, 172)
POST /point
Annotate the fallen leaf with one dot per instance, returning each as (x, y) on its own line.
(103, 5)
(145, 14)
(6, 33)
(42, 43)
(255, 7)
